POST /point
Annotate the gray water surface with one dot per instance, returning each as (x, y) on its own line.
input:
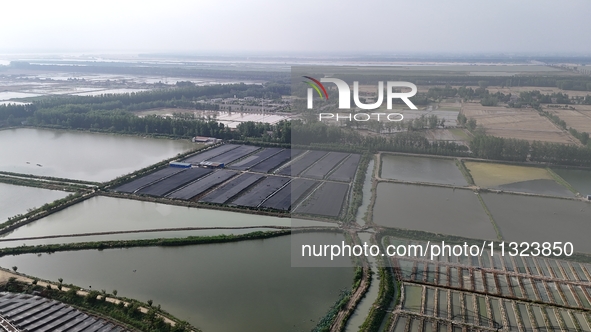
(239, 286)
(81, 155)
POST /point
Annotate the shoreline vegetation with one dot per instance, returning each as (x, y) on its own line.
(130, 313)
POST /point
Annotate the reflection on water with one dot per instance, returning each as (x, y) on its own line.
(239, 286)
(419, 169)
(17, 199)
(81, 155)
(102, 214)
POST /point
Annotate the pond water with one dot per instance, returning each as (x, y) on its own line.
(579, 179)
(432, 209)
(17, 199)
(239, 286)
(540, 219)
(366, 194)
(103, 214)
(82, 155)
(420, 169)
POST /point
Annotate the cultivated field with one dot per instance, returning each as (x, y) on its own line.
(492, 175)
(520, 123)
(515, 90)
(246, 180)
(580, 118)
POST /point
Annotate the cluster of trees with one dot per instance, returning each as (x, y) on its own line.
(95, 301)
(490, 147)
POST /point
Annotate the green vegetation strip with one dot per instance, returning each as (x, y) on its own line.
(50, 178)
(45, 210)
(490, 216)
(42, 184)
(380, 307)
(465, 172)
(191, 240)
(357, 197)
(562, 181)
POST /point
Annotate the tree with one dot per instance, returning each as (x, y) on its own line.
(61, 280)
(150, 302)
(14, 268)
(114, 292)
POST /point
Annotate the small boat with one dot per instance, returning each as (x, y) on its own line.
(28, 162)
(39, 165)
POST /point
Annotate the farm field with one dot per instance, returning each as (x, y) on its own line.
(327, 200)
(469, 309)
(224, 193)
(431, 209)
(252, 186)
(522, 218)
(255, 196)
(323, 166)
(519, 123)
(255, 159)
(173, 182)
(346, 171)
(270, 164)
(145, 180)
(210, 153)
(580, 120)
(301, 164)
(199, 187)
(421, 169)
(525, 179)
(286, 197)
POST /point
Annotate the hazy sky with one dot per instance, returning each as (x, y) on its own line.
(282, 26)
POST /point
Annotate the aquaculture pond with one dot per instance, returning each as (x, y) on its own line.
(18, 199)
(432, 209)
(238, 286)
(104, 214)
(82, 155)
(540, 219)
(421, 169)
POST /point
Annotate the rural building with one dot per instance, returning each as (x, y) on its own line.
(179, 164)
(211, 164)
(589, 197)
(205, 140)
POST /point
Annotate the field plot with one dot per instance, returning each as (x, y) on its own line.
(421, 169)
(273, 162)
(577, 178)
(257, 194)
(525, 179)
(176, 181)
(226, 192)
(580, 120)
(326, 201)
(325, 165)
(520, 123)
(136, 184)
(234, 154)
(199, 187)
(522, 218)
(210, 153)
(285, 198)
(255, 159)
(299, 165)
(346, 171)
(487, 312)
(434, 209)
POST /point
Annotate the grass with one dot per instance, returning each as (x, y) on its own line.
(493, 175)
(563, 182)
(460, 133)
